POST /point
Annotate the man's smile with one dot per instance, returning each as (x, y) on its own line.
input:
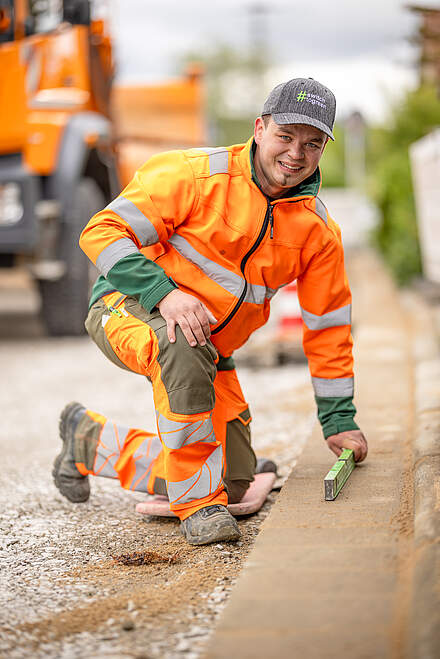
(290, 168)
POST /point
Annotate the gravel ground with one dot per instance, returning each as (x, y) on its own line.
(70, 585)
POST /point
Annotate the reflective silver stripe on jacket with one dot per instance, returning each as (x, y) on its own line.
(143, 457)
(109, 449)
(175, 434)
(113, 253)
(321, 209)
(327, 388)
(270, 292)
(230, 281)
(203, 483)
(256, 293)
(335, 318)
(136, 220)
(218, 160)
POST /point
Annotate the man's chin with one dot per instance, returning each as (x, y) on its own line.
(286, 177)
(291, 180)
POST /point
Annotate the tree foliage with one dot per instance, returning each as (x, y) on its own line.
(234, 82)
(333, 160)
(397, 237)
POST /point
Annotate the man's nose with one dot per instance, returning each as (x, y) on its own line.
(296, 151)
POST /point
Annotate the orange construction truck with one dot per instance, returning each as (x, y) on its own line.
(70, 140)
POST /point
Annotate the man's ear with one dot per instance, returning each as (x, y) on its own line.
(259, 129)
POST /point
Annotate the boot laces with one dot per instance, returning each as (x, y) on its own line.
(211, 510)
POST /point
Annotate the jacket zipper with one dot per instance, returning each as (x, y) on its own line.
(270, 209)
(268, 218)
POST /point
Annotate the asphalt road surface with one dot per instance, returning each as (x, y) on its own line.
(68, 585)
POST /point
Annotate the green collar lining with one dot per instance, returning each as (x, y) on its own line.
(307, 188)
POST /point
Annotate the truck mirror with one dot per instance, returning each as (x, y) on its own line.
(76, 12)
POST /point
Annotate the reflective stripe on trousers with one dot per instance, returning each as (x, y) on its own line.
(176, 434)
(129, 455)
(194, 463)
(126, 454)
(206, 480)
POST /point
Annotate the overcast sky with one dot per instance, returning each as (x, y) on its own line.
(359, 49)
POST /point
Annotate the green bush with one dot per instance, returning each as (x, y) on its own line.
(333, 160)
(397, 236)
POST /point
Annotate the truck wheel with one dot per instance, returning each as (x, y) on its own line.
(64, 302)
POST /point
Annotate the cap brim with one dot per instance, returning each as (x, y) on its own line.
(293, 118)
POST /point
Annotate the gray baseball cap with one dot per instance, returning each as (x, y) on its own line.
(302, 101)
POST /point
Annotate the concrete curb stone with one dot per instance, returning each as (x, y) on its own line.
(424, 621)
(427, 432)
(425, 606)
(426, 502)
(333, 579)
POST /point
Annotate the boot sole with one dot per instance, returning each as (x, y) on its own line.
(65, 417)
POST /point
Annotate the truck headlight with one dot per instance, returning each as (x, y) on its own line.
(11, 207)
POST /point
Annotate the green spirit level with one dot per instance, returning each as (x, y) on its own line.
(339, 474)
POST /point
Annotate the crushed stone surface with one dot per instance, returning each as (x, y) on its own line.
(97, 579)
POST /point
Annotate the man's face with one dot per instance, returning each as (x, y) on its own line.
(286, 154)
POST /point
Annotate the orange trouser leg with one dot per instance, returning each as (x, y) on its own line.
(127, 454)
(135, 457)
(192, 459)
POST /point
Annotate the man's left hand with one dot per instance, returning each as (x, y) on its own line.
(353, 439)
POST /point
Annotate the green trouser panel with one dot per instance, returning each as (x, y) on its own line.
(160, 486)
(240, 458)
(96, 332)
(187, 373)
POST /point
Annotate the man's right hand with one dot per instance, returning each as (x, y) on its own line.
(352, 439)
(194, 319)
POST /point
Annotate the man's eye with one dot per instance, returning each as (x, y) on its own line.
(286, 138)
(315, 146)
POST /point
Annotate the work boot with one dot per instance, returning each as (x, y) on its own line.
(210, 524)
(264, 465)
(70, 482)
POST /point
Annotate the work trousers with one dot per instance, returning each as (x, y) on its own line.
(201, 454)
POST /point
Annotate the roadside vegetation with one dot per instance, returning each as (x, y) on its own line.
(234, 81)
(416, 115)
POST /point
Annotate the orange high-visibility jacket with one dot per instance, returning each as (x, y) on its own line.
(201, 217)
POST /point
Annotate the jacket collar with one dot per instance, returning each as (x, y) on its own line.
(307, 188)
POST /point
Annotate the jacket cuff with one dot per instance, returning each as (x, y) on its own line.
(336, 414)
(151, 299)
(338, 425)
